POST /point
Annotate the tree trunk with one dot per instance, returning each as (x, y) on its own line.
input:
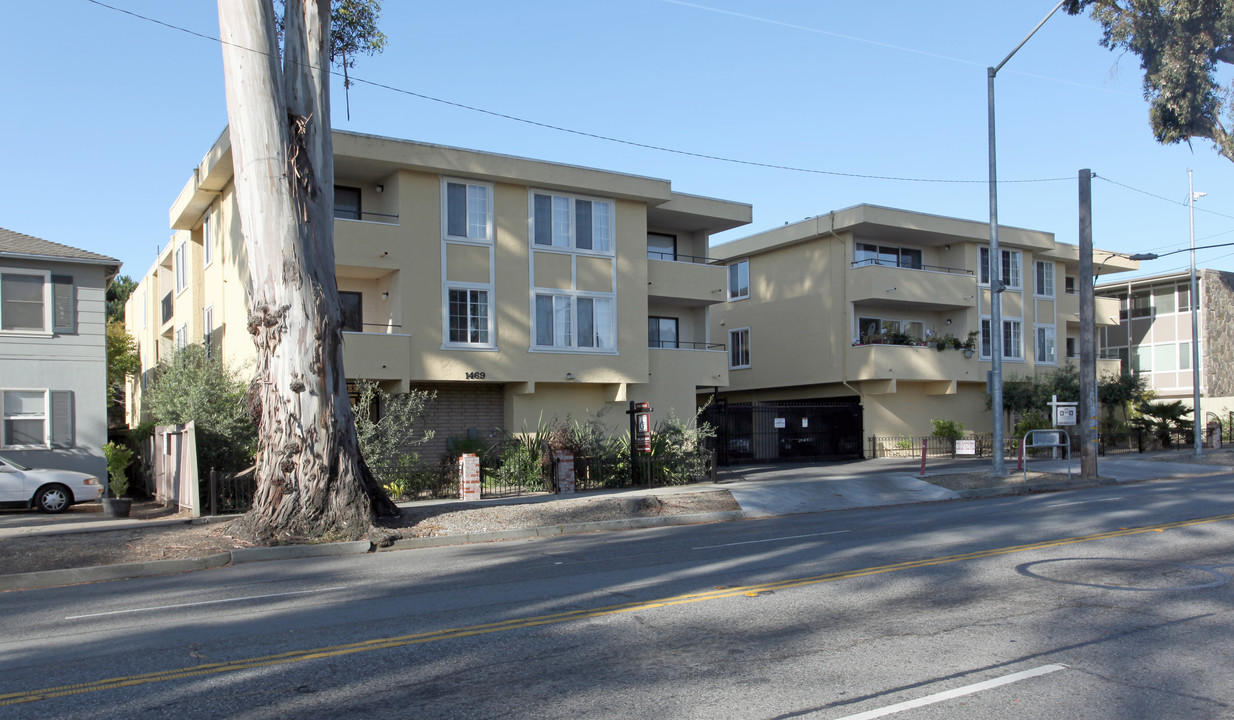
(311, 480)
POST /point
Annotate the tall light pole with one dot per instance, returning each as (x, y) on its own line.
(1192, 196)
(995, 269)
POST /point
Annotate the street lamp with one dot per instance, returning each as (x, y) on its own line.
(995, 268)
(1192, 196)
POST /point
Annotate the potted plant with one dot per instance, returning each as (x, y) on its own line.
(118, 459)
(970, 344)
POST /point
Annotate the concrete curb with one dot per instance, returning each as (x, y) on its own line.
(1031, 488)
(565, 529)
(102, 573)
(294, 552)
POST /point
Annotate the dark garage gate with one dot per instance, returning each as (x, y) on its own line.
(786, 430)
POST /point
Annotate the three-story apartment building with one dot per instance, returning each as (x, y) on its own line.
(518, 290)
(838, 319)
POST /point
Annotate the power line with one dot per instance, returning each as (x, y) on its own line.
(597, 136)
(1161, 197)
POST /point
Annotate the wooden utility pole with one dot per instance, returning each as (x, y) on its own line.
(1088, 334)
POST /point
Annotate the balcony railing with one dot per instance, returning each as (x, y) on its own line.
(373, 328)
(685, 345)
(671, 256)
(167, 308)
(365, 216)
(892, 263)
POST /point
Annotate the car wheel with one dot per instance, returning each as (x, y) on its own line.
(52, 499)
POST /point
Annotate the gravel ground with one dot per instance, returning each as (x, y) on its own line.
(54, 552)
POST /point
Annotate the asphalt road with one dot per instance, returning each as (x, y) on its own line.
(1111, 602)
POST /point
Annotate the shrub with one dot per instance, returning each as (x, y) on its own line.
(386, 424)
(947, 429)
(118, 459)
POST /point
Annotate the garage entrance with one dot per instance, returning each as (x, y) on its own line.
(786, 430)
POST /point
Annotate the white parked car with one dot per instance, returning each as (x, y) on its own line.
(49, 491)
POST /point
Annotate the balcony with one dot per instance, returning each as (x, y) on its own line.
(926, 287)
(685, 281)
(908, 362)
(687, 366)
(361, 243)
(377, 356)
(168, 308)
(1106, 310)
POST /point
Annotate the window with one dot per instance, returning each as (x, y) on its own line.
(867, 254)
(1165, 357)
(64, 304)
(1069, 284)
(1184, 356)
(207, 335)
(661, 246)
(567, 222)
(1141, 303)
(1184, 297)
(347, 203)
(24, 301)
(1010, 268)
(574, 322)
(1045, 279)
(1142, 360)
(468, 211)
(1163, 300)
(207, 241)
(1012, 339)
(1071, 352)
(739, 348)
(182, 273)
(739, 280)
(1046, 344)
(662, 332)
(468, 316)
(352, 305)
(26, 414)
(182, 336)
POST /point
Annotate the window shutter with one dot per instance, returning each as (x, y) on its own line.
(64, 303)
(62, 418)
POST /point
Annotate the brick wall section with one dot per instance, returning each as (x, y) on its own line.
(1217, 304)
(459, 408)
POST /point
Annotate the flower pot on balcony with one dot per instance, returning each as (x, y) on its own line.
(968, 352)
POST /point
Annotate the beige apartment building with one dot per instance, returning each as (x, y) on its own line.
(1153, 335)
(835, 322)
(518, 290)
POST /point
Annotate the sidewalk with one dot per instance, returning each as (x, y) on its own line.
(760, 491)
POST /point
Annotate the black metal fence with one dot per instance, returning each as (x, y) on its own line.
(226, 492)
(1134, 441)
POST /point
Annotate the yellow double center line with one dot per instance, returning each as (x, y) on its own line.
(527, 622)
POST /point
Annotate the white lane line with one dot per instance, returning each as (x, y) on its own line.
(791, 537)
(203, 602)
(957, 692)
(1083, 502)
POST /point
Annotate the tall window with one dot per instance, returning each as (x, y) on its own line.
(568, 222)
(567, 321)
(1010, 267)
(739, 348)
(182, 336)
(23, 301)
(182, 272)
(1045, 279)
(207, 241)
(1046, 344)
(207, 334)
(347, 203)
(468, 210)
(1013, 339)
(1184, 356)
(1071, 352)
(469, 316)
(352, 304)
(662, 332)
(1069, 284)
(661, 246)
(739, 280)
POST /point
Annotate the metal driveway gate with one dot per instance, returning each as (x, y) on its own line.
(787, 430)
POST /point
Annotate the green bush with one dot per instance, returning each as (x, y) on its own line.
(118, 459)
(947, 429)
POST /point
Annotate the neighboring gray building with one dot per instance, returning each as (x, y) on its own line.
(53, 357)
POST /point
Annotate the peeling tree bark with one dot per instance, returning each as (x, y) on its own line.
(311, 480)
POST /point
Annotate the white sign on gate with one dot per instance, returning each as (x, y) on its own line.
(965, 447)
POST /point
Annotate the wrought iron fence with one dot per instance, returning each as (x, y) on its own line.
(1133, 441)
(226, 492)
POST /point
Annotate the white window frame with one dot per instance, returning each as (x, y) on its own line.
(1051, 336)
(563, 214)
(735, 345)
(207, 329)
(1016, 325)
(566, 317)
(45, 417)
(181, 268)
(1044, 279)
(735, 293)
(468, 288)
(480, 233)
(207, 239)
(1011, 266)
(182, 336)
(48, 302)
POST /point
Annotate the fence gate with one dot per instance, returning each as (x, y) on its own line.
(785, 431)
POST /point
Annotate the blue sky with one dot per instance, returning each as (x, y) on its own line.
(106, 114)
